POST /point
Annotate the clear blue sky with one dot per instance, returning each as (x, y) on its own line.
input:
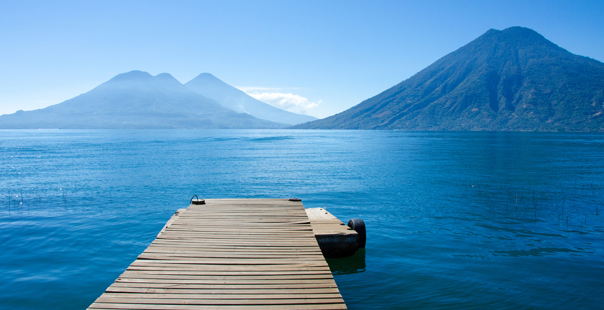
(333, 54)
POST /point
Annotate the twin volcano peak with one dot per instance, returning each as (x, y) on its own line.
(141, 77)
(132, 75)
(137, 99)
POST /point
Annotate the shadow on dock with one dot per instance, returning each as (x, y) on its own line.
(348, 265)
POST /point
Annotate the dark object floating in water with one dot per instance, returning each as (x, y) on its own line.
(359, 226)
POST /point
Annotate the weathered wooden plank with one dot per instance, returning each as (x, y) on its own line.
(220, 296)
(228, 238)
(221, 307)
(199, 238)
(235, 248)
(245, 217)
(288, 229)
(270, 243)
(218, 249)
(250, 263)
(176, 266)
(225, 286)
(223, 248)
(205, 254)
(244, 201)
(258, 232)
(235, 229)
(223, 281)
(242, 241)
(210, 302)
(285, 210)
(256, 209)
(242, 235)
(223, 277)
(266, 223)
(254, 212)
(303, 236)
(223, 273)
(155, 255)
(202, 242)
(231, 216)
(250, 291)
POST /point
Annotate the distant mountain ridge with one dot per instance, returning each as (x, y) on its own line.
(137, 99)
(513, 79)
(210, 86)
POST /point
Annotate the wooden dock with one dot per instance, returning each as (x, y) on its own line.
(229, 254)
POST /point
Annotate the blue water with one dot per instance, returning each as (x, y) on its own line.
(462, 220)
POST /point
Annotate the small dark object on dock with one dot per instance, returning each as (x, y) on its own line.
(196, 201)
(295, 199)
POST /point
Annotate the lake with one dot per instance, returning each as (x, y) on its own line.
(455, 220)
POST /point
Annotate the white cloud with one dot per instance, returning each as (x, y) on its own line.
(286, 101)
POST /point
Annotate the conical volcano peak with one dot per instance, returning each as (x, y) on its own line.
(207, 78)
(207, 75)
(212, 87)
(207, 81)
(512, 79)
(167, 78)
